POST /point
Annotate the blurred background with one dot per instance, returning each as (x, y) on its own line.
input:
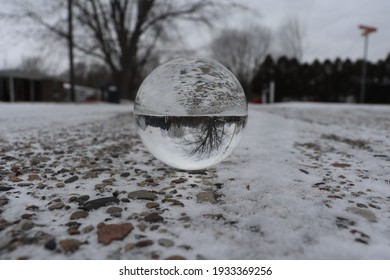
(280, 50)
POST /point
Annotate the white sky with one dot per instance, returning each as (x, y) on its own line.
(331, 25)
(330, 28)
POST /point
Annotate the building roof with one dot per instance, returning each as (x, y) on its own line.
(15, 73)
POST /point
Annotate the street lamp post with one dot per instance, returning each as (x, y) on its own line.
(70, 46)
(366, 30)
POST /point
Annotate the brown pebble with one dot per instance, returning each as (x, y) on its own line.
(142, 194)
(56, 205)
(341, 165)
(179, 181)
(73, 231)
(79, 215)
(99, 186)
(33, 177)
(129, 246)
(144, 243)
(27, 216)
(109, 233)
(153, 218)
(88, 229)
(114, 209)
(14, 179)
(60, 185)
(206, 197)
(142, 227)
(70, 245)
(152, 204)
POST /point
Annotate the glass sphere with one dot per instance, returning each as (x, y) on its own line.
(190, 113)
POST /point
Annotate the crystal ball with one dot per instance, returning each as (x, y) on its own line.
(190, 113)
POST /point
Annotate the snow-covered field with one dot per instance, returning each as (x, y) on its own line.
(307, 181)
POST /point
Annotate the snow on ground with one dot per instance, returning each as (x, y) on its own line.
(307, 181)
(17, 118)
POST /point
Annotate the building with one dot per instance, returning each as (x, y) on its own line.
(21, 86)
(16, 85)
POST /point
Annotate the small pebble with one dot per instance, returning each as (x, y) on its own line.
(154, 227)
(79, 215)
(142, 194)
(4, 189)
(142, 227)
(71, 179)
(206, 197)
(25, 225)
(152, 205)
(144, 243)
(33, 177)
(27, 216)
(176, 257)
(361, 205)
(115, 212)
(73, 231)
(51, 245)
(154, 218)
(88, 228)
(374, 206)
(14, 179)
(179, 181)
(56, 205)
(125, 174)
(111, 232)
(32, 208)
(70, 245)
(165, 242)
(129, 246)
(99, 202)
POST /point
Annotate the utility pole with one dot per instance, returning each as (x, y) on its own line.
(366, 30)
(70, 46)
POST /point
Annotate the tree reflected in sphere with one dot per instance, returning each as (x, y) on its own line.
(190, 113)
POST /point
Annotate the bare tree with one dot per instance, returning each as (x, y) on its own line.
(122, 33)
(242, 51)
(291, 35)
(33, 64)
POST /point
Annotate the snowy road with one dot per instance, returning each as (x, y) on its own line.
(307, 181)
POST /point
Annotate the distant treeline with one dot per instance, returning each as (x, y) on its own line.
(328, 81)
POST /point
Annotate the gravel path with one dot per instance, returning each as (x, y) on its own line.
(92, 191)
(73, 192)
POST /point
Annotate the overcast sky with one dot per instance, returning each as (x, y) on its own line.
(331, 25)
(331, 28)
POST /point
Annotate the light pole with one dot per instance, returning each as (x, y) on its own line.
(366, 30)
(70, 46)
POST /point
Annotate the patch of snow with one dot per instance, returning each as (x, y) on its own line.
(290, 190)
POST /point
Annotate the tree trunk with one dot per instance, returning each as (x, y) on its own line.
(126, 83)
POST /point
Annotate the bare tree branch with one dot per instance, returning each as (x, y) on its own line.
(122, 33)
(291, 36)
(242, 51)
